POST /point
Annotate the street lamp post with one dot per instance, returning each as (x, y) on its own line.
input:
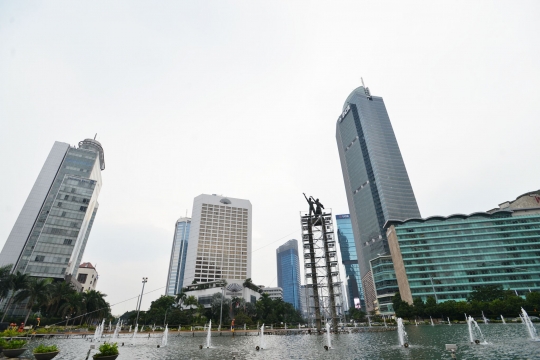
(144, 280)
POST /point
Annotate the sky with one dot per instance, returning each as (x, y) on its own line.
(241, 98)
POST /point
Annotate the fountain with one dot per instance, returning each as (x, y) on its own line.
(204, 328)
(209, 336)
(154, 327)
(472, 330)
(165, 336)
(129, 329)
(432, 324)
(504, 322)
(384, 319)
(328, 338)
(298, 326)
(449, 321)
(142, 327)
(369, 321)
(99, 331)
(244, 326)
(135, 331)
(117, 330)
(110, 327)
(262, 343)
(402, 335)
(485, 318)
(525, 319)
(285, 326)
(415, 322)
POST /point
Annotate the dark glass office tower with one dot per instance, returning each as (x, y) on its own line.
(177, 264)
(288, 266)
(349, 259)
(376, 181)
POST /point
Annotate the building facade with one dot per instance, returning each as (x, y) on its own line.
(274, 292)
(448, 257)
(349, 259)
(219, 241)
(87, 277)
(288, 272)
(177, 264)
(376, 180)
(385, 284)
(50, 235)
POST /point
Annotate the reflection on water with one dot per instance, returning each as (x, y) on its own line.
(510, 341)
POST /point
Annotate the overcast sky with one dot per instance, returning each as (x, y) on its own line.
(241, 98)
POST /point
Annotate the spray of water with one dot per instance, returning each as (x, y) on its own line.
(209, 335)
(504, 322)
(328, 337)
(262, 343)
(525, 319)
(402, 334)
(165, 337)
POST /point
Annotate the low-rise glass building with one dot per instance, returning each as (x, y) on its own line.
(384, 278)
(448, 257)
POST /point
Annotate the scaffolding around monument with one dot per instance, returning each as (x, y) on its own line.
(321, 268)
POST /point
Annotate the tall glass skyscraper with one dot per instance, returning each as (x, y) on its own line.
(376, 181)
(288, 267)
(51, 232)
(350, 261)
(177, 265)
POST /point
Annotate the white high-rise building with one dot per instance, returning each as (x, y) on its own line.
(219, 240)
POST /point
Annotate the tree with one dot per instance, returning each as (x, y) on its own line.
(59, 291)
(5, 272)
(533, 301)
(36, 292)
(16, 282)
(191, 302)
(96, 306)
(487, 293)
(418, 308)
(73, 305)
(357, 315)
(431, 306)
(216, 309)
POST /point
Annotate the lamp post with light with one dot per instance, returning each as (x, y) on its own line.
(144, 280)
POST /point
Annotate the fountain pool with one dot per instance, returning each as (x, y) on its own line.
(510, 341)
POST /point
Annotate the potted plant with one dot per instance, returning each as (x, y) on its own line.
(14, 348)
(2, 343)
(107, 351)
(43, 352)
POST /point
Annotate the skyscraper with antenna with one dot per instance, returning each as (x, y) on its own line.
(376, 180)
(50, 235)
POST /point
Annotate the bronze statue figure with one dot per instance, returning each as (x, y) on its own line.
(310, 202)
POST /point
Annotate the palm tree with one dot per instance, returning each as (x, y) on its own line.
(35, 293)
(192, 302)
(16, 282)
(59, 291)
(72, 305)
(180, 298)
(96, 306)
(5, 271)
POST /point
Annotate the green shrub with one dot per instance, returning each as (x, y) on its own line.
(10, 333)
(107, 350)
(45, 349)
(14, 344)
(3, 342)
